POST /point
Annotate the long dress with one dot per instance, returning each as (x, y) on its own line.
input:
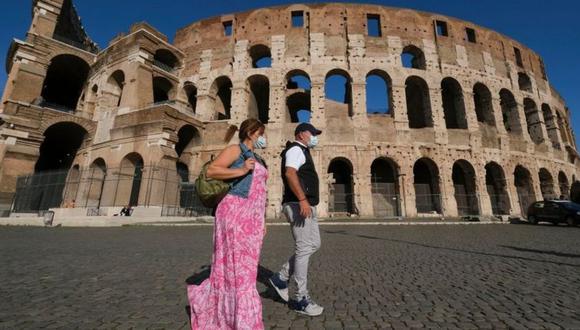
(229, 299)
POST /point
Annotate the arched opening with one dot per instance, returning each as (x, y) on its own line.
(564, 186)
(551, 126)
(418, 103)
(298, 97)
(533, 121)
(64, 82)
(338, 92)
(162, 88)
(385, 189)
(221, 91)
(546, 184)
(379, 92)
(97, 176)
(44, 189)
(165, 60)
(453, 105)
(426, 183)
(191, 94)
(72, 187)
(60, 146)
(562, 127)
(483, 104)
(114, 90)
(524, 188)
(188, 137)
(130, 177)
(495, 183)
(259, 102)
(341, 199)
(509, 111)
(261, 56)
(412, 57)
(463, 176)
(524, 82)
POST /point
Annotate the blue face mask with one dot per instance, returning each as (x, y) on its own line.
(260, 143)
(313, 141)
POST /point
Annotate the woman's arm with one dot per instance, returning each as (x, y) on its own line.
(219, 168)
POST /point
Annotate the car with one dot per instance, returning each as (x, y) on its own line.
(554, 211)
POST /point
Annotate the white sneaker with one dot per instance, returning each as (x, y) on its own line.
(280, 286)
(308, 307)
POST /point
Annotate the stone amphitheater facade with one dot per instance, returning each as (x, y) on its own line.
(472, 125)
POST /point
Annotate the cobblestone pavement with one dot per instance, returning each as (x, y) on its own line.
(478, 276)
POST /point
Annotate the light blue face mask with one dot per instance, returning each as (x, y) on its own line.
(313, 141)
(260, 143)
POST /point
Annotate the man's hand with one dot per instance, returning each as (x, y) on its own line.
(305, 209)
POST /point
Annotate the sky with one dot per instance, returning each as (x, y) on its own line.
(550, 28)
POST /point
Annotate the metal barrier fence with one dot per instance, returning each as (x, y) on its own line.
(96, 188)
(428, 203)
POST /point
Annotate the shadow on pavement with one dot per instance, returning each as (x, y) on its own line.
(344, 232)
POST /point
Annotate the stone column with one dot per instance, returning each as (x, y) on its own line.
(360, 118)
(437, 115)
(449, 204)
(240, 103)
(138, 91)
(482, 194)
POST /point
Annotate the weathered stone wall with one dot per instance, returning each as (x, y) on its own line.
(121, 101)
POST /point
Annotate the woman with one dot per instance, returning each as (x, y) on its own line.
(229, 299)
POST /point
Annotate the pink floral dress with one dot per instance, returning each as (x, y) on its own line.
(229, 299)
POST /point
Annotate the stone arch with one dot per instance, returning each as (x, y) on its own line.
(379, 92)
(496, 186)
(162, 90)
(453, 104)
(65, 78)
(73, 180)
(88, 125)
(338, 91)
(114, 89)
(341, 193)
(483, 104)
(130, 180)
(191, 93)
(546, 184)
(551, 126)
(427, 186)
(524, 188)
(221, 92)
(261, 56)
(385, 187)
(61, 142)
(564, 185)
(533, 121)
(418, 103)
(412, 57)
(562, 128)
(96, 177)
(524, 82)
(165, 59)
(188, 137)
(298, 96)
(510, 113)
(464, 184)
(259, 97)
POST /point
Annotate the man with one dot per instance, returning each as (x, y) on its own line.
(299, 206)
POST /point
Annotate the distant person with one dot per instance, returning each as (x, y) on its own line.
(229, 299)
(126, 211)
(299, 202)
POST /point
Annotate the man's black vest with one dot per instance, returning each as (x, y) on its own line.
(306, 174)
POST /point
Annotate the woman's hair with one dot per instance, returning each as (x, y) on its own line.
(247, 128)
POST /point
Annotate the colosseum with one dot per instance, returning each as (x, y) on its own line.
(423, 114)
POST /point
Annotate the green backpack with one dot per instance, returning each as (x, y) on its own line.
(210, 191)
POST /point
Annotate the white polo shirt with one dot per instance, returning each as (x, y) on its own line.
(295, 157)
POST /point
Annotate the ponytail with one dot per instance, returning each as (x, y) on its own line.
(230, 133)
